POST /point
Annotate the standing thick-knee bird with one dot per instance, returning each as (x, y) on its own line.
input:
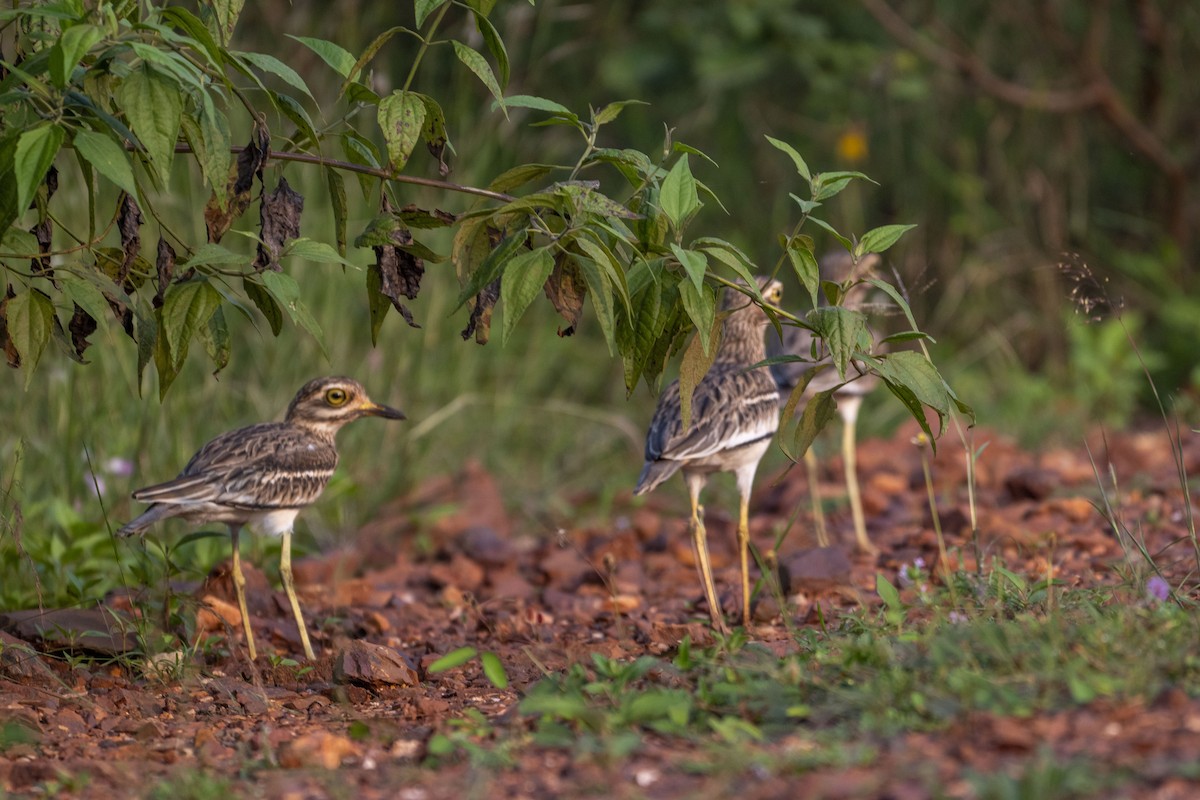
(849, 393)
(263, 476)
(735, 413)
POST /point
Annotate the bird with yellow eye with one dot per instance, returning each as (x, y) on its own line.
(264, 475)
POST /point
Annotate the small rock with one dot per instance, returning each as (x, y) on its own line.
(483, 544)
(814, 569)
(251, 700)
(372, 665)
(1031, 483)
(99, 629)
(19, 660)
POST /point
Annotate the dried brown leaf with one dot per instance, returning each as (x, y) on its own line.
(480, 323)
(280, 223)
(81, 326)
(218, 216)
(43, 232)
(10, 349)
(566, 289)
(165, 267)
(129, 223)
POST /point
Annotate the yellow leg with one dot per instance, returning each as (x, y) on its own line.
(810, 467)
(285, 572)
(850, 460)
(239, 586)
(743, 535)
(700, 543)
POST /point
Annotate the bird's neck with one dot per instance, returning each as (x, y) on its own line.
(324, 430)
(742, 342)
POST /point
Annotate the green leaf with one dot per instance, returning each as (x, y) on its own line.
(401, 117)
(30, 321)
(519, 176)
(186, 307)
(337, 198)
(34, 156)
(227, 12)
(478, 64)
(69, 49)
(539, 104)
(678, 196)
(378, 304)
(216, 339)
(611, 111)
(801, 166)
(153, 104)
(846, 243)
(261, 298)
(495, 44)
(701, 306)
(879, 239)
(804, 262)
(732, 257)
(424, 8)
(490, 267)
(916, 374)
(694, 263)
(277, 68)
(283, 288)
(816, 415)
(841, 328)
(601, 293)
(494, 670)
(452, 659)
(320, 252)
(215, 255)
(522, 281)
(692, 369)
(336, 56)
(888, 593)
(108, 157)
(637, 338)
(372, 50)
(84, 294)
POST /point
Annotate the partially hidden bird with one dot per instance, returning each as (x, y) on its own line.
(735, 413)
(263, 476)
(848, 393)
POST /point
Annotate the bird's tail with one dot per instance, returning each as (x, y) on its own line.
(147, 518)
(654, 473)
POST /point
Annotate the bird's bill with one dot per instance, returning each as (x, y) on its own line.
(376, 410)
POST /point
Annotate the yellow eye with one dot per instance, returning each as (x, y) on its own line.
(774, 295)
(336, 397)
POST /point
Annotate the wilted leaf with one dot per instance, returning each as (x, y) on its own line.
(415, 217)
(280, 222)
(397, 273)
(480, 322)
(434, 132)
(337, 197)
(219, 214)
(10, 350)
(566, 290)
(164, 266)
(227, 12)
(43, 232)
(81, 326)
(129, 224)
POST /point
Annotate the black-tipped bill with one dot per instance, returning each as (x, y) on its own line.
(387, 412)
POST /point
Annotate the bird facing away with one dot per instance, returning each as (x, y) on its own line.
(849, 394)
(263, 476)
(735, 413)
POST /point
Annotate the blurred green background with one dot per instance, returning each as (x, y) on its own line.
(1019, 136)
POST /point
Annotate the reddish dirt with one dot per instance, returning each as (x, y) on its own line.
(623, 590)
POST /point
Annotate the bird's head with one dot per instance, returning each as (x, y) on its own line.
(327, 404)
(744, 311)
